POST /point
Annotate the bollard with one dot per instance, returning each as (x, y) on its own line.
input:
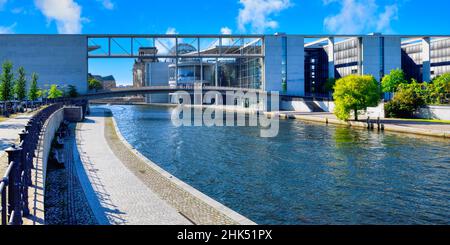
(14, 195)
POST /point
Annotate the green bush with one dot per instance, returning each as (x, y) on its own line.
(54, 92)
(439, 90)
(72, 91)
(407, 100)
(95, 84)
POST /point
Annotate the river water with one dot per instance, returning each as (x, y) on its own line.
(308, 174)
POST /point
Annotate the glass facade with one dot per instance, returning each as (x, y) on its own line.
(316, 70)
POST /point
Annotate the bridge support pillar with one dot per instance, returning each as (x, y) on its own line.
(198, 96)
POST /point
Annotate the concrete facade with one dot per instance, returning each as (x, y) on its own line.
(392, 54)
(273, 64)
(157, 74)
(295, 66)
(434, 112)
(57, 59)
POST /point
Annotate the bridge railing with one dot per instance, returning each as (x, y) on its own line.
(17, 178)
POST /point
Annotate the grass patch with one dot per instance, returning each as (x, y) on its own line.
(428, 120)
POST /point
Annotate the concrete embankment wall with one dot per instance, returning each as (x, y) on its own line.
(328, 106)
(435, 112)
(49, 130)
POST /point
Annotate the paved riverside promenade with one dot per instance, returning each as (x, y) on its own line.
(396, 125)
(114, 193)
(9, 134)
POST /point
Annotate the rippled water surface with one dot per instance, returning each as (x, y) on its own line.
(309, 174)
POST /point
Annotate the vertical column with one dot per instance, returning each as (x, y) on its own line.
(176, 60)
(216, 76)
(426, 62)
(331, 57)
(360, 56)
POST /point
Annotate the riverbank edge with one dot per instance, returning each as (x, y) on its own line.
(188, 199)
(326, 120)
(382, 127)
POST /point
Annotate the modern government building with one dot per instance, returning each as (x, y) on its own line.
(294, 65)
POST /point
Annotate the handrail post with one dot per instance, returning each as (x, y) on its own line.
(25, 177)
(14, 195)
(3, 202)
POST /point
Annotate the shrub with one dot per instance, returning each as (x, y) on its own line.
(406, 101)
(95, 84)
(72, 91)
(54, 92)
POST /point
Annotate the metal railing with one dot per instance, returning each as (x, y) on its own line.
(17, 179)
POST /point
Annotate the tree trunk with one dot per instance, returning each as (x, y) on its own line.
(356, 114)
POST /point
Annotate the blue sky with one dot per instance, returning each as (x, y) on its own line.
(214, 16)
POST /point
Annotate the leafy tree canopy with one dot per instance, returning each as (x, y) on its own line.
(6, 79)
(390, 82)
(355, 93)
(95, 84)
(33, 93)
(72, 91)
(20, 86)
(54, 92)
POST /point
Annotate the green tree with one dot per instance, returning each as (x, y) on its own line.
(440, 89)
(355, 93)
(95, 84)
(72, 91)
(33, 92)
(20, 86)
(54, 92)
(407, 99)
(6, 88)
(390, 82)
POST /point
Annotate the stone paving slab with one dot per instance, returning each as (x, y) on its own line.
(9, 134)
(114, 193)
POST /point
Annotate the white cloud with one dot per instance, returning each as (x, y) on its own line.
(226, 31)
(7, 29)
(384, 21)
(107, 4)
(256, 14)
(66, 14)
(358, 16)
(171, 31)
(166, 44)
